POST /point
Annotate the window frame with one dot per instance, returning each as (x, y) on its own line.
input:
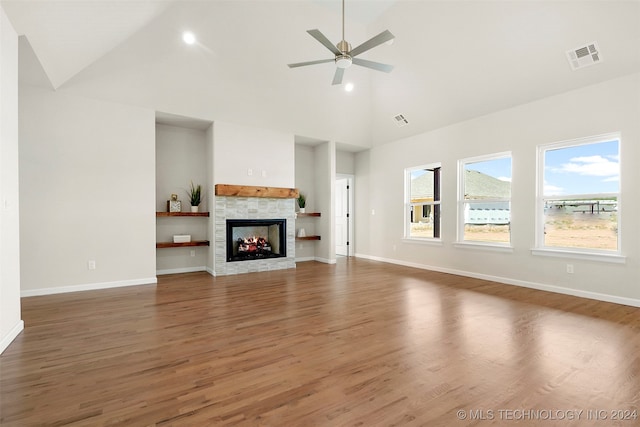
(408, 205)
(593, 254)
(460, 241)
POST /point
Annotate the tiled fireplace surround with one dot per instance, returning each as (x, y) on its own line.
(233, 207)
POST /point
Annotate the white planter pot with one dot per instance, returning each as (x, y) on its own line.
(194, 208)
(301, 210)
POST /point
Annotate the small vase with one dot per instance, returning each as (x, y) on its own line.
(301, 210)
(194, 209)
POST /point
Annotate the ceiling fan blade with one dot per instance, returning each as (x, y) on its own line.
(303, 64)
(316, 34)
(337, 77)
(384, 36)
(373, 65)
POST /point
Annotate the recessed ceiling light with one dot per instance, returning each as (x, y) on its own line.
(348, 87)
(189, 37)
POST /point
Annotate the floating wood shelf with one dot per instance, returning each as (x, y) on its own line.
(308, 238)
(158, 214)
(308, 214)
(252, 191)
(163, 245)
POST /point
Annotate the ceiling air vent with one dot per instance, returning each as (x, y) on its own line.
(584, 56)
(400, 120)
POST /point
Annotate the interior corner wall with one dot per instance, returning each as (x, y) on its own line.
(181, 158)
(364, 202)
(610, 106)
(306, 183)
(10, 314)
(210, 196)
(325, 177)
(87, 178)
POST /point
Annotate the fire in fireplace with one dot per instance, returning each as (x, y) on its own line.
(250, 239)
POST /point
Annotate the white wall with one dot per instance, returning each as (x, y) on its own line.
(269, 154)
(87, 177)
(607, 107)
(181, 158)
(325, 177)
(10, 322)
(345, 162)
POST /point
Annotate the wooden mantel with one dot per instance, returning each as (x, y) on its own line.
(252, 191)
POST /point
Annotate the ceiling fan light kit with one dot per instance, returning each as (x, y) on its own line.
(343, 61)
(344, 56)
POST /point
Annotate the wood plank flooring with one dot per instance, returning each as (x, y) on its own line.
(359, 343)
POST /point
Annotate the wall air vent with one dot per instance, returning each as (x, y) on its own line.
(400, 120)
(584, 56)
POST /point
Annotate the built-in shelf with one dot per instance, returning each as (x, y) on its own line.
(308, 214)
(163, 245)
(158, 214)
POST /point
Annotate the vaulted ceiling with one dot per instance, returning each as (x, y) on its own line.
(454, 60)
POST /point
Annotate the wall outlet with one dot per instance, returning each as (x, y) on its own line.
(91, 264)
(264, 173)
(373, 211)
(570, 268)
(193, 252)
(249, 172)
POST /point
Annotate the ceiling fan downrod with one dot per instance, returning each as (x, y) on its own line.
(344, 60)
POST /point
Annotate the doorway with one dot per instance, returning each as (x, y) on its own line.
(344, 215)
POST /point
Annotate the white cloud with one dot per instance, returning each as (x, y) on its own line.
(591, 166)
(504, 178)
(552, 190)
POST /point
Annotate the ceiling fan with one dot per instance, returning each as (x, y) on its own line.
(345, 56)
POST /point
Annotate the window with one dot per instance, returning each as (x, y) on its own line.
(484, 201)
(579, 194)
(422, 202)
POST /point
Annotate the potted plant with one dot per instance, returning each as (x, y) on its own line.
(195, 196)
(302, 202)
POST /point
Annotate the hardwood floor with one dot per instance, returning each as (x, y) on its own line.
(359, 343)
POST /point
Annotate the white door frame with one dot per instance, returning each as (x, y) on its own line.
(350, 203)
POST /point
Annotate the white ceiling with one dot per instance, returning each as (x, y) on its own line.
(454, 60)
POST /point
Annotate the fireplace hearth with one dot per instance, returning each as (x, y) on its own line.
(252, 239)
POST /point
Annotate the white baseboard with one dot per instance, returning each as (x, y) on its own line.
(325, 260)
(507, 281)
(11, 335)
(87, 287)
(313, 258)
(180, 270)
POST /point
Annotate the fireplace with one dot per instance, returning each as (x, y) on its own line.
(251, 239)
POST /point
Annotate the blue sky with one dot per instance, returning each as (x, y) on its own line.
(585, 169)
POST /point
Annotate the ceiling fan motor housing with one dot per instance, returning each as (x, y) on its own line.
(344, 47)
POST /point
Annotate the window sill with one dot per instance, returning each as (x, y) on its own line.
(565, 253)
(484, 246)
(424, 241)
